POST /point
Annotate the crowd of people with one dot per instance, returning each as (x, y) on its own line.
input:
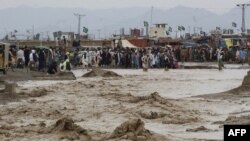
(40, 59)
(124, 58)
(231, 55)
(160, 57)
(35, 59)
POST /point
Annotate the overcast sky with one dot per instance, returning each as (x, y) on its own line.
(217, 6)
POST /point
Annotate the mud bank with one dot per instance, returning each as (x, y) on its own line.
(134, 130)
(97, 72)
(241, 91)
(237, 120)
(199, 67)
(6, 97)
(155, 107)
(24, 75)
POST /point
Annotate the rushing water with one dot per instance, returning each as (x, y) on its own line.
(173, 83)
(185, 83)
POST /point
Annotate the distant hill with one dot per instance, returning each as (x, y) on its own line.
(111, 20)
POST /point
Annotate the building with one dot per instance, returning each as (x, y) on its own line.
(159, 31)
(139, 42)
(135, 32)
(60, 34)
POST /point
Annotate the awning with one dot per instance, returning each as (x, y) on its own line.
(189, 44)
(42, 47)
(229, 43)
(126, 44)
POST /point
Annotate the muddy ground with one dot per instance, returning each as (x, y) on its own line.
(25, 75)
(139, 106)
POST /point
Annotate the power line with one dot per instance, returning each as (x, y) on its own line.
(151, 16)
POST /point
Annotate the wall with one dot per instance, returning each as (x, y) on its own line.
(99, 43)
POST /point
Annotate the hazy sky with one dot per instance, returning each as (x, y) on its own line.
(218, 6)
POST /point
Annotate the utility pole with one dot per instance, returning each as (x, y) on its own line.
(189, 30)
(99, 34)
(33, 32)
(79, 24)
(243, 6)
(151, 18)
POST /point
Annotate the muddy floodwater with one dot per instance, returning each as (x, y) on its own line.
(157, 105)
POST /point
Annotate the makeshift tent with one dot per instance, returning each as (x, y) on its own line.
(229, 43)
(205, 45)
(237, 42)
(50, 53)
(42, 47)
(126, 43)
(189, 44)
(222, 43)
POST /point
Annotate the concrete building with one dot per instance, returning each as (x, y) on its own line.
(159, 31)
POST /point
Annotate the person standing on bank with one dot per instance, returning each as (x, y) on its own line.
(145, 61)
(41, 60)
(26, 56)
(20, 58)
(220, 57)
